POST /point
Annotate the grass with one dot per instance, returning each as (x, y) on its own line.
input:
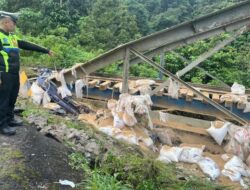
(134, 172)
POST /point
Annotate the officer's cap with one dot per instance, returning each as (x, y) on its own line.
(12, 16)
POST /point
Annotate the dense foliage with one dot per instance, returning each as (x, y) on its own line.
(78, 30)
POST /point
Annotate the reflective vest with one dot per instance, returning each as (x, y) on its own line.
(9, 55)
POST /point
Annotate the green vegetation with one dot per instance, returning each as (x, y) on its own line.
(129, 171)
(79, 30)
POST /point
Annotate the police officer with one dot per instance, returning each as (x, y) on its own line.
(10, 45)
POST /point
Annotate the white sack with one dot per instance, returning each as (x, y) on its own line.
(238, 89)
(191, 154)
(117, 122)
(209, 167)
(46, 98)
(235, 168)
(79, 84)
(170, 154)
(173, 88)
(112, 104)
(242, 135)
(36, 93)
(247, 108)
(218, 134)
(131, 138)
(64, 91)
(109, 130)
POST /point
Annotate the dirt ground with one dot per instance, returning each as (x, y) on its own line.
(32, 161)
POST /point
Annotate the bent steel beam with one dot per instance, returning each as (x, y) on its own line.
(227, 19)
(210, 52)
(203, 70)
(169, 74)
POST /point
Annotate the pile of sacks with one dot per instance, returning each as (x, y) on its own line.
(237, 144)
(238, 139)
(237, 95)
(234, 168)
(193, 155)
(124, 119)
(127, 106)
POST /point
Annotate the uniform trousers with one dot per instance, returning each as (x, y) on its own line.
(9, 88)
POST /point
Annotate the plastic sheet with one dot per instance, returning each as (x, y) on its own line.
(79, 84)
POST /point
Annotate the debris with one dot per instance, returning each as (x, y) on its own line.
(25, 85)
(67, 182)
(166, 136)
(130, 105)
(51, 89)
(163, 116)
(128, 136)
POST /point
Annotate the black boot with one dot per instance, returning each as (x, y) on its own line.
(7, 130)
(14, 122)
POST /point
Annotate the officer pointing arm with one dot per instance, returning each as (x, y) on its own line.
(10, 45)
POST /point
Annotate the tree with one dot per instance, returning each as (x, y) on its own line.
(108, 25)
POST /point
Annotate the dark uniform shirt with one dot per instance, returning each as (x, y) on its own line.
(13, 54)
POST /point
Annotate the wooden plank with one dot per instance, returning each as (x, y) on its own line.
(183, 92)
(229, 102)
(216, 97)
(105, 85)
(160, 92)
(205, 94)
(93, 83)
(189, 96)
(241, 105)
